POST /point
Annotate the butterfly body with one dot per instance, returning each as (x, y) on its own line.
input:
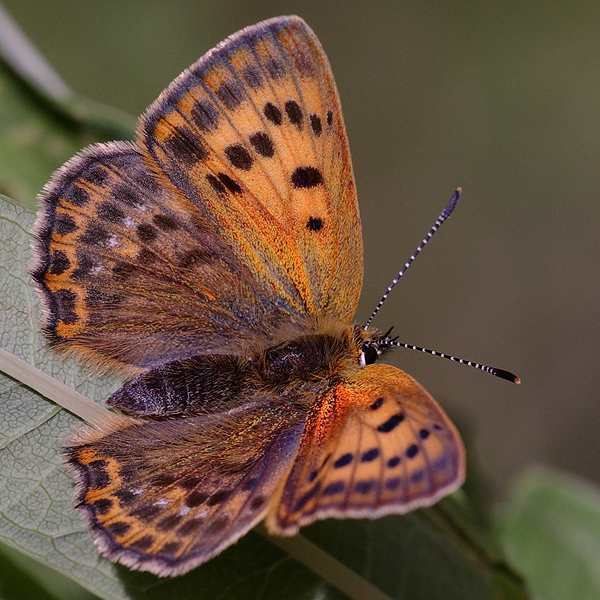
(218, 261)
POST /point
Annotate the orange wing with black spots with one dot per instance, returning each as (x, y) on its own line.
(377, 444)
(253, 134)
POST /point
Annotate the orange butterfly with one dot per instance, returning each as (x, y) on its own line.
(218, 258)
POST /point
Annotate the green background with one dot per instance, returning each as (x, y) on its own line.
(499, 98)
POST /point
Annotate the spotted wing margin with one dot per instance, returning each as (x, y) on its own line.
(131, 275)
(253, 135)
(166, 496)
(377, 444)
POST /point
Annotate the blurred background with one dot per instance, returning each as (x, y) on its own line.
(502, 99)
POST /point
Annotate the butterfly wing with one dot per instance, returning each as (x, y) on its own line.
(234, 213)
(165, 496)
(253, 135)
(122, 257)
(376, 444)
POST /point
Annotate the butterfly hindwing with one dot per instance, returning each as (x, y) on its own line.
(376, 444)
(253, 135)
(165, 496)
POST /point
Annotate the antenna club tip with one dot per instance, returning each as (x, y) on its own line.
(517, 380)
(458, 191)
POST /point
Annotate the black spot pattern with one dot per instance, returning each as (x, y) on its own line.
(183, 150)
(119, 528)
(102, 506)
(146, 257)
(391, 423)
(110, 212)
(253, 78)
(314, 224)
(273, 113)
(165, 222)
(275, 68)
(146, 512)
(423, 434)
(230, 184)
(370, 455)
(126, 497)
(85, 263)
(377, 404)
(230, 94)
(127, 196)
(189, 483)
(189, 526)
(169, 522)
(163, 479)
(294, 113)
(98, 477)
(143, 543)
(364, 487)
(77, 197)
(216, 184)
(96, 175)
(250, 484)
(170, 548)
(393, 484)
(393, 462)
(306, 497)
(65, 306)
(146, 232)
(336, 487)
(64, 224)
(412, 451)
(343, 460)
(195, 499)
(417, 476)
(306, 177)
(257, 502)
(59, 263)
(239, 157)
(94, 235)
(205, 116)
(263, 144)
(315, 123)
(218, 525)
(219, 497)
(329, 118)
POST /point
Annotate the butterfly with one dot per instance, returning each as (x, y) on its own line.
(217, 260)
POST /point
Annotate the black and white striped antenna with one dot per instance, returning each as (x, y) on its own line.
(386, 342)
(440, 220)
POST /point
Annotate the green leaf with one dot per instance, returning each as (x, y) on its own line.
(551, 529)
(428, 554)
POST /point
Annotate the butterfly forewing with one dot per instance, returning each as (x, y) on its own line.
(377, 444)
(253, 135)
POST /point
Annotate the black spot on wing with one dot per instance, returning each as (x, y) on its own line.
(294, 113)
(273, 114)
(263, 144)
(306, 177)
(391, 423)
(239, 157)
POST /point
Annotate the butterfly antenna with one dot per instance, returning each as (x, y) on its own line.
(445, 214)
(493, 370)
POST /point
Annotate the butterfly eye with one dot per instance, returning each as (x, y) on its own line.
(368, 355)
